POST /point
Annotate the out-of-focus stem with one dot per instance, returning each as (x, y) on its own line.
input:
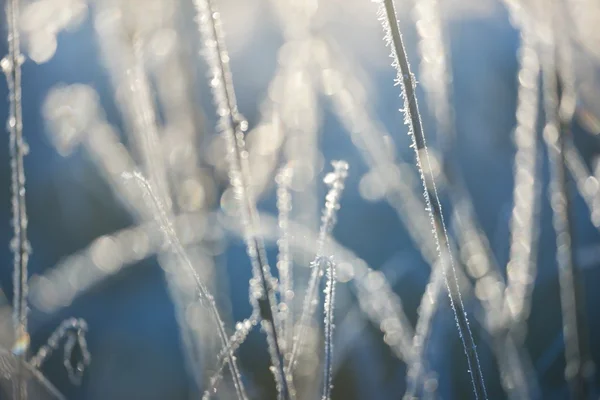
(11, 65)
(579, 367)
(413, 120)
(232, 126)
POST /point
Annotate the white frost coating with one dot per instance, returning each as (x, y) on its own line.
(329, 326)
(335, 180)
(284, 258)
(232, 126)
(74, 330)
(387, 16)
(11, 66)
(242, 329)
(163, 220)
(368, 136)
(473, 245)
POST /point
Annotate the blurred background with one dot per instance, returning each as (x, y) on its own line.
(84, 220)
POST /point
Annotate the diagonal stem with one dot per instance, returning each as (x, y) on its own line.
(413, 119)
(232, 126)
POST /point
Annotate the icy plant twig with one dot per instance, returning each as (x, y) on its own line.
(242, 329)
(163, 220)
(406, 80)
(376, 298)
(74, 330)
(329, 326)
(472, 242)
(232, 126)
(11, 66)
(335, 180)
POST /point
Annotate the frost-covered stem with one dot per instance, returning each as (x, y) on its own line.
(376, 298)
(413, 119)
(284, 206)
(353, 112)
(74, 330)
(242, 329)
(473, 245)
(11, 65)
(578, 361)
(335, 180)
(383, 311)
(329, 326)
(163, 220)
(232, 126)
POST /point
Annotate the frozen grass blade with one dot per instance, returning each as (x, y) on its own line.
(397, 188)
(473, 244)
(232, 126)
(163, 220)
(11, 66)
(242, 329)
(329, 326)
(406, 80)
(73, 330)
(375, 295)
(335, 180)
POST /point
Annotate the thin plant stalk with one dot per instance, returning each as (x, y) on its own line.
(413, 119)
(242, 329)
(232, 126)
(166, 225)
(578, 360)
(335, 180)
(73, 330)
(435, 75)
(11, 65)
(329, 326)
